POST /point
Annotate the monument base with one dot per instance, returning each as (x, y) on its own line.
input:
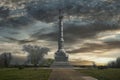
(61, 56)
(59, 64)
(61, 60)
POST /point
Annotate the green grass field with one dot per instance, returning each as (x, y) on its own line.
(24, 74)
(105, 74)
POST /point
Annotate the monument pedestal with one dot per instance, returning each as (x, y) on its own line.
(61, 56)
(61, 64)
(61, 60)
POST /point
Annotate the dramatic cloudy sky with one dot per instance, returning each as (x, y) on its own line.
(91, 27)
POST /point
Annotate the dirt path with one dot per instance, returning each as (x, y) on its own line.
(68, 74)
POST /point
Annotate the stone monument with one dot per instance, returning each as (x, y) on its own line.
(61, 55)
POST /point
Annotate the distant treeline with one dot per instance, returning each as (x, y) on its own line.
(114, 64)
(35, 57)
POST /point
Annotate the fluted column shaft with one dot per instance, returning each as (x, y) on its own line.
(60, 33)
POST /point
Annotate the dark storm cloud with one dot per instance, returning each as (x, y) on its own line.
(16, 22)
(19, 41)
(102, 12)
(47, 10)
(73, 31)
(20, 21)
(4, 12)
(13, 15)
(90, 47)
(99, 11)
(113, 44)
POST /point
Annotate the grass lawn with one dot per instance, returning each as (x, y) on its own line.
(24, 74)
(105, 74)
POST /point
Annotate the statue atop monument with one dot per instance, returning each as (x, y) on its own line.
(61, 55)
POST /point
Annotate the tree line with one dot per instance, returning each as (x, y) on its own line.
(114, 64)
(35, 55)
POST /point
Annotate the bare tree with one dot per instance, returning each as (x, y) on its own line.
(114, 64)
(36, 53)
(6, 58)
(118, 62)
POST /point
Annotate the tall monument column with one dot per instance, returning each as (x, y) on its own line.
(60, 32)
(61, 55)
